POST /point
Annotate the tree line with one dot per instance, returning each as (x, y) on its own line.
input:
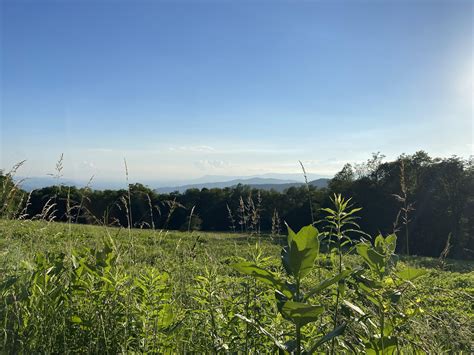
(428, 202)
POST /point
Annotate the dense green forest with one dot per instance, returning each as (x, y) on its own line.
(428, 201)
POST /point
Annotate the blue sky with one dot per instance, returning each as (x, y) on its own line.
(188, 88)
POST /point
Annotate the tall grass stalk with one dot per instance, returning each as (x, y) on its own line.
(57, 176)
(172, 206)
(190, 218)
(406, 207)
(308, 191)
(129, 197)
(83, 197)
(242, 215)
(150, 207)
(10, 188)
(276, 223)
(231, 218)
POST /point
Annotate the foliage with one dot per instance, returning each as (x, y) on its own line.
(104, 294)
(376, 285)
(85, 303)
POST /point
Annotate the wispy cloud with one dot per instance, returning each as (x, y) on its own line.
(87, 164)
(241, 148)
(251, 150)
(211, 164)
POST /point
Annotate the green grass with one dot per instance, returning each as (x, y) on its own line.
(205, 293)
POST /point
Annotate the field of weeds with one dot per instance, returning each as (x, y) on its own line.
(75, 288)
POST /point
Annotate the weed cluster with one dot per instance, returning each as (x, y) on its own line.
(374, 320)
(84, 288)
(86, 302)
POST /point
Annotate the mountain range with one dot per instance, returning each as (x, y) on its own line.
(258, 183)
(278, 182)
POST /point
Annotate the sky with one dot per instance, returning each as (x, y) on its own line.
(182, 89)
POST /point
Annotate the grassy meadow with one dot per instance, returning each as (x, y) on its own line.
(67, 288)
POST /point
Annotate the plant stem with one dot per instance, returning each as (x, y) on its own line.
(382, 325)
(298, 339)
(297, 326)
(336, 312)
(406, 230)
(247, 314)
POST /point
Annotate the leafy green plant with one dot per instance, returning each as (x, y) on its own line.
(86, 303)
(340, 226)
(215, 311)
(293, 303)
(154, 310)
(381, 286)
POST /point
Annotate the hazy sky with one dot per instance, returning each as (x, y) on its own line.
(187, 88)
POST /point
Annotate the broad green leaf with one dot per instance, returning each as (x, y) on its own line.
(374, 260)
(379, 244)
(303, 248)
(291, 235)
(300, 313)
(328, 282)
(410, 274)
(329, 336)
(262, 275)
(285, 260)
(302, 262)
(391, 242)
(307, 238)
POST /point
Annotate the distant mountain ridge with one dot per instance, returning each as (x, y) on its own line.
(289, 177)
(320, 183)
(34, 183)
(278, 182)
(279, 185)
